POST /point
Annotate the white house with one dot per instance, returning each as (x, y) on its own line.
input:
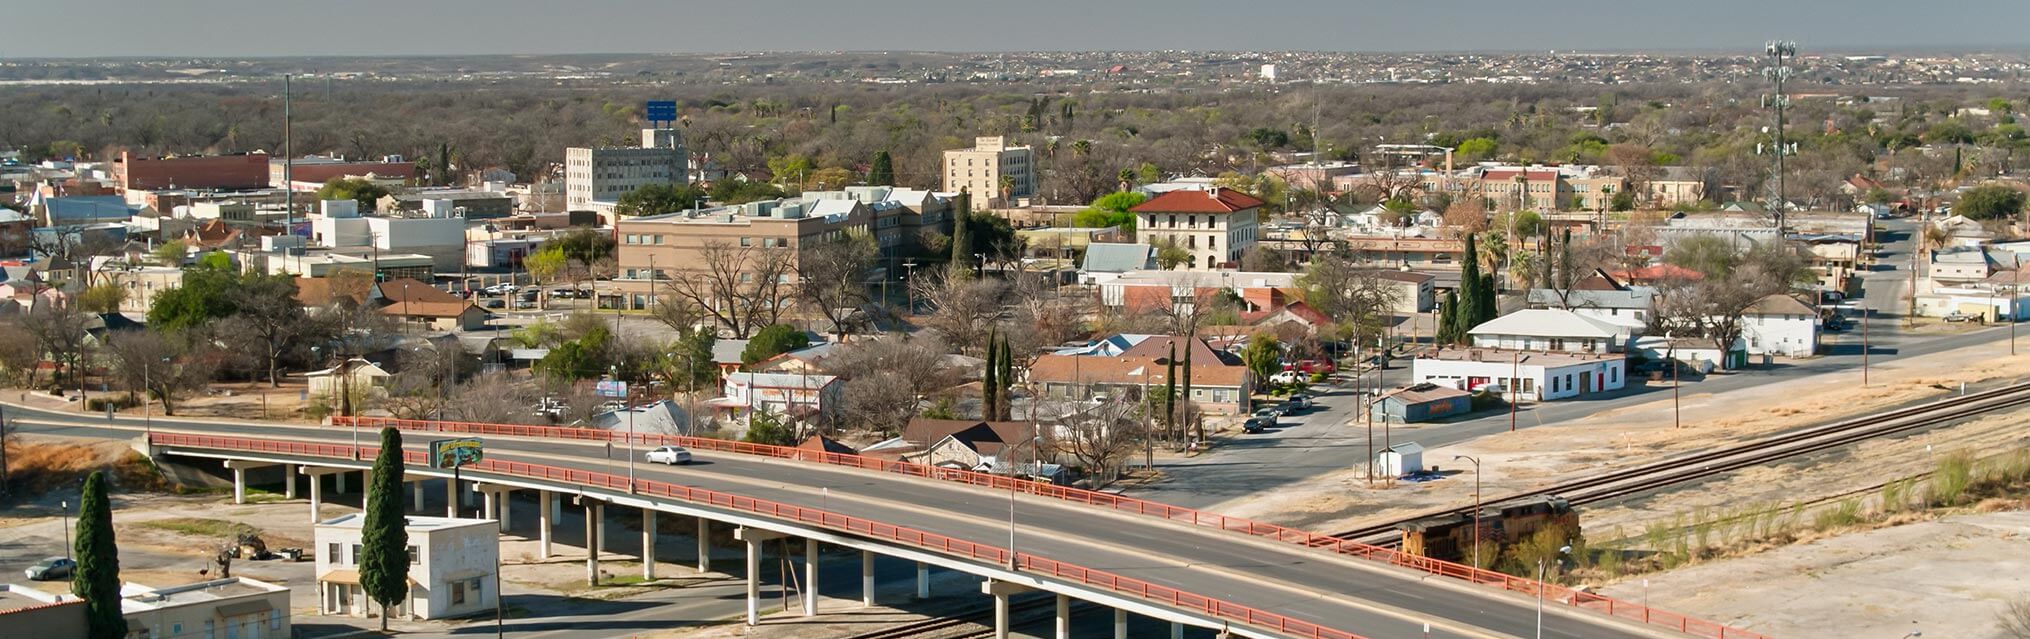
(1546, 329)
(1523, 375)
(1630, 306)
(1781, 325)
(781, 394)
(451, 567)
(363, 378)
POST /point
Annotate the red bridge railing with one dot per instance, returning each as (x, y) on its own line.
(1552, 592)
(864, 527)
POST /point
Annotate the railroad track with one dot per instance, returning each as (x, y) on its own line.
(1706, 464)
(958, 625)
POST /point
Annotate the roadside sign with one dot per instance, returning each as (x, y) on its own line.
(610, 388)
(662, 111)
(456, 453)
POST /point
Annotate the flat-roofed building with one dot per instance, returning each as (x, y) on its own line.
(451, 567)
(993, 172)
(655, 249)
(596, 177)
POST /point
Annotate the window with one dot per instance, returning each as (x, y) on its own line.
(355, 554)
(473, 584)
(334, 553)
(415, 555)
(274, 619)
(457, 592)
(747, 241)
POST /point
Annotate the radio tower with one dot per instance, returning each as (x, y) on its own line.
(1780, 53)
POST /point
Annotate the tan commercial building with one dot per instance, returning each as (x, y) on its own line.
(235, 607)
(1215, 225)
(595, 178)
(980, 171)
(656, 248)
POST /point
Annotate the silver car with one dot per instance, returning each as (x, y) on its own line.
(671, 455)
(51, 569)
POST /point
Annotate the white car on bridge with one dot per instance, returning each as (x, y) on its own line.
(672, 455)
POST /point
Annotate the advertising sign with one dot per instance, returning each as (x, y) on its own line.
(662, 111)
(456, 453)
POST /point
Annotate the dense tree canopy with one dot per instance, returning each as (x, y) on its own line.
(653, 199)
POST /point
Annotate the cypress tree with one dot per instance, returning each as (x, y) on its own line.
(990, 387)
(1006, 376)
(1486, 308)
(962, 250)
(384, 536)
(883, 171)
(97, 578)
(1448, 318)
(1170, 390)
(1186, 395)
(1469, 283)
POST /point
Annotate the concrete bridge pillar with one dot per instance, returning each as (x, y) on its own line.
(289, 481)
(867, 578)
(922, 580)
(704, 545)
(340, 485)
(595, 512)
(1120, 624)
(451, 498)
(810, 577)
(754, 537)
(240, 468)
(495, 502)
(1063, 625)
(317, 488)
(416, 495)
(545, 503)
(1001, 591)
(648, 544)
(1176, 630)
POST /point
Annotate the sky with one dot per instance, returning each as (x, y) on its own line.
(255, 28)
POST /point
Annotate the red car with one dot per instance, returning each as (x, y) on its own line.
(1315, 366)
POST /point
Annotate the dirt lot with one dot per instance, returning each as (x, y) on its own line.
(1531, 457)
(1946, 578)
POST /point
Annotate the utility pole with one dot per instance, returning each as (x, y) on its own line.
(289, 168)
(1780, 52)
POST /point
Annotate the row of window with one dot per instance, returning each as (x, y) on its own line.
(334, 552)
(642, 238)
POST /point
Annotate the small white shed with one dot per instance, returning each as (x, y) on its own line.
(1400, 459)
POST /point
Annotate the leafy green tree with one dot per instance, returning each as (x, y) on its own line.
(103, 298)
(773, 340)
(1623, 200)
(585, 245)
(1706, 253)
(1469, 281)
(544, 265)
(764, 427)
(1263, 355)
(1448, 319)
(882, 173)
(962, 245)
(690, 356)
(361, 190)
(653, 199)
(584, 358)
(172, 253)
(1170, 256)
(790, 169)
(205, 296)
(216, 261)
(97, 578)
(732, 191)
(1111, 209)
(384, 536)
(1170, 390)
(1476, 149)
(1990, 202)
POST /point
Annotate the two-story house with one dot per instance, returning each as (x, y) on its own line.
(1215, 226)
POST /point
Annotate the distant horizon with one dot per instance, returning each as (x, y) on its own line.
(2017, 48)
(245, 29)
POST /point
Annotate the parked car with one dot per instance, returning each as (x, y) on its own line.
(51, 569)
(1299, 402)
(1316, 366)
(493, 303)
(1957, 316)
(1256, 425)
(1270, 413)
(1285, 377)
(669, 455)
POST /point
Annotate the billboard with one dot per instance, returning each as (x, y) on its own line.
(610, 388)
(662, 111)
(455, 453)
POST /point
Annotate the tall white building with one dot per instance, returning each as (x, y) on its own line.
(451, 567)
(595, 178)
(980, 169)
(1215, 226)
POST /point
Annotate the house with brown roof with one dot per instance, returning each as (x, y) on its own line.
(403, 298)
(1215, 225)
(1220, 383)
(1781, 325)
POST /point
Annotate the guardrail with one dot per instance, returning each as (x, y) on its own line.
(1607, 605)
(1218, 608)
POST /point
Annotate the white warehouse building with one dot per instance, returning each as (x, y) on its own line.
(1523, 375)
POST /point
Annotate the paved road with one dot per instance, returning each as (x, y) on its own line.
(1295, 582)
(1325, 442)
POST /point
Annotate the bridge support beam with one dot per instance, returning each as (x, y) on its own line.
(810, 577)
(451, 498)
(595, 513)
(544, 502)
(704, 545)
(317, 489)
(240, 469)
(1001, 591)
(755, 538)
(288, 481)
(922, 580)
(1176, 630)
(648, 544)
(1063, 625)
(340, 483)
(867, 578)
(1120, 624)
(416, 496)
(495, 502)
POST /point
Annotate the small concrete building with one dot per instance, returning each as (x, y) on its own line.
(34, 613)
(1523, 375)
(452, 567)
(234, 607)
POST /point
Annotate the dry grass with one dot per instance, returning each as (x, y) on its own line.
(37, 467)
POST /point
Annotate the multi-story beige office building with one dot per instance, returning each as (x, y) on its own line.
(654, 249)
(595, 178)
(981, 171)
(1215, 225)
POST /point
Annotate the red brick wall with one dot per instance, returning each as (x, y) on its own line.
(248, 171)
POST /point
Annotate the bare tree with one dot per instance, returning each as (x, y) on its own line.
(1389, 185)
(961, 309)
(421, 385)
(880, 402)
(1362, 302)
(1712, 307)
(832, 279)
(741, 288)
(164, 366)
(495, 398)
(1571, 262)
(59, 331)
(18, 353)
(1101, 436)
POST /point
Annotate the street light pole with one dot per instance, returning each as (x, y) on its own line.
(1476, 506)
(1542, 566)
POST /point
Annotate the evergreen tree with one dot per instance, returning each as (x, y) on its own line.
(990, 387)
(384, 536)
(883, 171)
(962, 250)
(97, 578)
(1448, 319)
(1186, 393)
(1007, 379)
(1170, 391)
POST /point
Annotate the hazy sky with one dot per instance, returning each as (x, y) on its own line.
(380, 27)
